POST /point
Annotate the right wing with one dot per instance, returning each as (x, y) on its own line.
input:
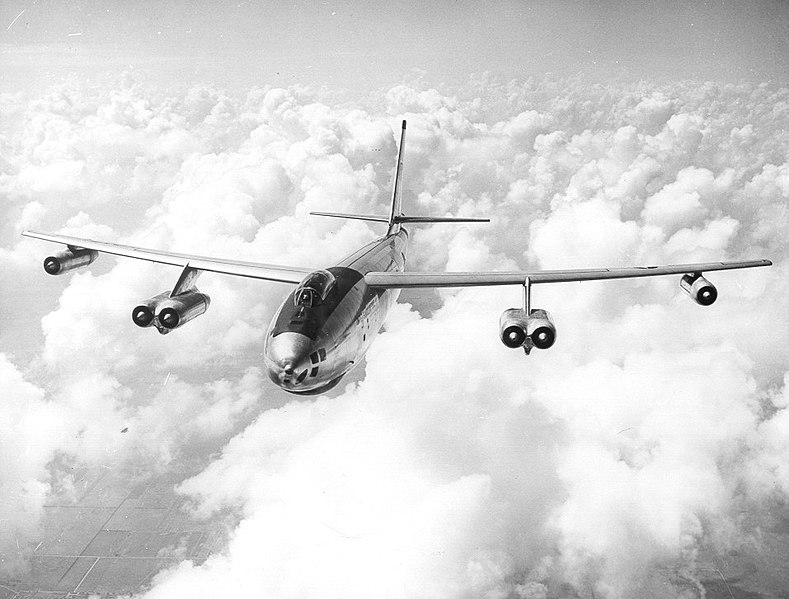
(254, 270)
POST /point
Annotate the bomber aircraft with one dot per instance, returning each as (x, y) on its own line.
(328, 321)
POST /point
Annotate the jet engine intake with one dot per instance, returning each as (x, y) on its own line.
(518, 330)
(512, 327)
(176, 311)
(69, 259)
(700, 289)
(541, 329)
(145, 314)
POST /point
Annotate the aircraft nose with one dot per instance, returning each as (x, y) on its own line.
(287, 356)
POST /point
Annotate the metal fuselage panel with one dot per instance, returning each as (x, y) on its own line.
(309, 349)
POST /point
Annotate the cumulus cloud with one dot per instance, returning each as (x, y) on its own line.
(467, 469)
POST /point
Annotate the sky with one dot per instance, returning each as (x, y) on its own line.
(649, 443)
(359, 46)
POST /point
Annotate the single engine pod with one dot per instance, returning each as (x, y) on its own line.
(700, 289)
(541, 329)
(176, 311)
(69, 259)
(512, 327)
(144, 314)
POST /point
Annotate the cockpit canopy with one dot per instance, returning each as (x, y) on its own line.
(314, 289)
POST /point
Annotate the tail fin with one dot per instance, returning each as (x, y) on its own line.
(397, 191)
(396, 216)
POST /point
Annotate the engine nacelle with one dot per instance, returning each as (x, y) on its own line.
(176, 311)
(144, 315)
(541, 329)
(512, 327)
(700, 289)
(69, 259)
(535, 330)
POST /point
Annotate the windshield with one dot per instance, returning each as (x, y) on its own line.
(314, 289)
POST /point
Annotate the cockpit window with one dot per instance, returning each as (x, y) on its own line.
(314, 289)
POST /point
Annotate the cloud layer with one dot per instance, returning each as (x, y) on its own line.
(454, 467)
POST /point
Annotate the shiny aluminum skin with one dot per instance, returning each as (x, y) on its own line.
(512, 327)
(309, 349)
(173, 312)
(541, 329)
(518, 330)
(167, 312)
(700, 289)
(69, 259)
(144, 314)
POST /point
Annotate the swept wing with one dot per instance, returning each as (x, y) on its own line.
(253, 270)
(403, 280)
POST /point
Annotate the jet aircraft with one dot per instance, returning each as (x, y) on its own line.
(331, 317)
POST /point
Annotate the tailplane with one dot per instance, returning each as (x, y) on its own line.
(396, 216)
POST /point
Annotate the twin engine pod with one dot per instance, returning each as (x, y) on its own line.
(69, 259)
(700, 289)
(167, 313)
(516, 329)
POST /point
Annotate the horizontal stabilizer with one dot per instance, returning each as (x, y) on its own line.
(438, 219)
(403, 219)
(371, 217)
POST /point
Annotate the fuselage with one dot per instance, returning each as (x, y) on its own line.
(326, 325)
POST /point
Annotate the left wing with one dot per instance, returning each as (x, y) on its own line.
(529, 328)
(402, 280)
(254, 270)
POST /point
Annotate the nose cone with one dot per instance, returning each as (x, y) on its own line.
(287, 358)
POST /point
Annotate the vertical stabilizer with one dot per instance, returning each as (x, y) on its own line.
(396, 216)
(397, 191)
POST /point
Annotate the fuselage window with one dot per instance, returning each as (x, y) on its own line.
(314, 371)
(314, 289)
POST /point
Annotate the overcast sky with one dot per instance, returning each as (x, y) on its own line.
(364, 45)
(618, 463)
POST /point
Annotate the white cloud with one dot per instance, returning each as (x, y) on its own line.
(583, 234)
(455, 467)
(680, 203)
